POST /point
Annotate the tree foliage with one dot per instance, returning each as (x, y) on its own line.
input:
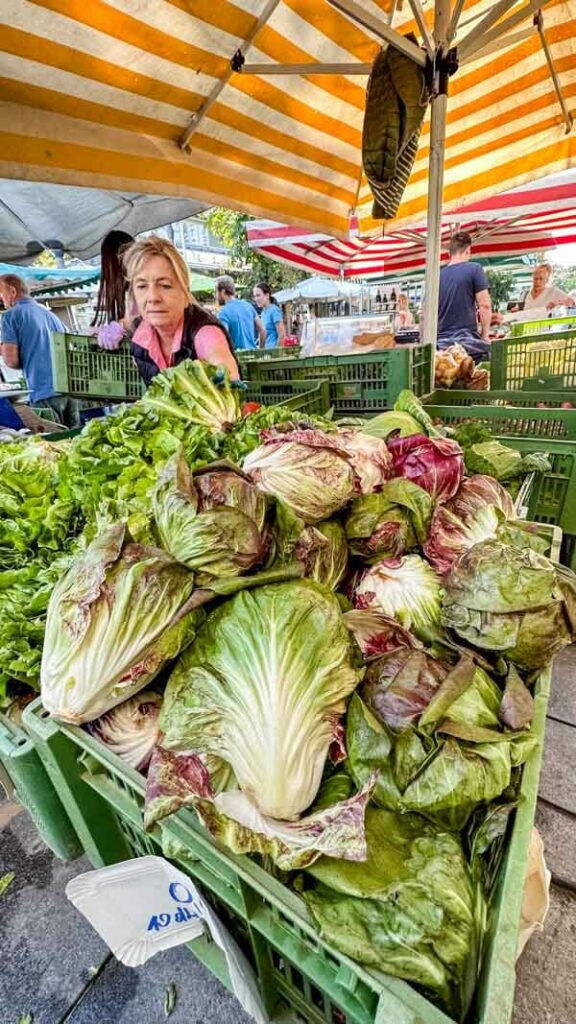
(501, 284)
(229, 227)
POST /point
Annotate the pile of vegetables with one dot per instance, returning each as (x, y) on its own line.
(454, 368)
(323, 639)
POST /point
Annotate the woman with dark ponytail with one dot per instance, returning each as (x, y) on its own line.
(270, 314)
(111, 300)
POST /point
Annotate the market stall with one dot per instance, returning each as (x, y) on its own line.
(396, 521)
(307, 661)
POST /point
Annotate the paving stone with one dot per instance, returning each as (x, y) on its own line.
(558, 830)
(545, 979)
(135, 995)
(47, 949)
(562, 702)
(558, 778)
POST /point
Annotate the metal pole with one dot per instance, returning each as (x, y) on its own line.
(436, 176)
(198, 117)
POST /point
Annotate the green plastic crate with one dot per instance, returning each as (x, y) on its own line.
(359, 384)
(295, 967)
(24, 778)
(310, 396)
(507, 412)
(93, 820)
(82, 369)
(552, 498)
(256, 355)
(551, 323)
(534, 362)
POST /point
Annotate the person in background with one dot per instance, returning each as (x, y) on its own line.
(111, 298)
(240, 317)
(270, 314)
(404, 315)
(172, 326)
(463, 301)
(543, 293)
(27, 345)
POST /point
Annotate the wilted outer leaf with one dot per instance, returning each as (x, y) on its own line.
(456, 779)
(398, 687)
(115, 618)
(411, 910)
(517, 707)
(263, 687)
(439, 778)
(337, 830)
(376, 633)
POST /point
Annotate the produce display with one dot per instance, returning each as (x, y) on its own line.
(320, 637)
(454, 368)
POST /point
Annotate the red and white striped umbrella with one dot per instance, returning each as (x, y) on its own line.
(534, 217)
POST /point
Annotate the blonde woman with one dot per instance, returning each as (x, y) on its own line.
(543, 293)
(172, 326)
(404, 315)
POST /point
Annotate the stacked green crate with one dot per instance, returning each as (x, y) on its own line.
(534, 362)
(359, 384)
(25, 779)
(515, 420)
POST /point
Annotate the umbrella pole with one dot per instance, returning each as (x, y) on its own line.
(434, 216)
(439, 103)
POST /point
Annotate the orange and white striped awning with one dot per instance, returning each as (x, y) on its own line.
(101, 94)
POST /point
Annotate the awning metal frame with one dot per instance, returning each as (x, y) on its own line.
(440, 54)
(539, 24)
(197, 118)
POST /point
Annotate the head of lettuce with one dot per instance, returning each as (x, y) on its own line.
(115, 618)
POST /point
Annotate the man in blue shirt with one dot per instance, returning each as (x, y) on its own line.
(240, 317)
(464, 300)
(26, 345)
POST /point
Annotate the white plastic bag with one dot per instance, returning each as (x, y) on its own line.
(145, 905)
(536, 892)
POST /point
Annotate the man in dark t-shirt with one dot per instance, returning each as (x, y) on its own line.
(464, 300)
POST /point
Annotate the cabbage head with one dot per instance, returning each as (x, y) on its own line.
(213, 521)
(263, 688)
(512, 601)
(115, 618)
(387, 524)
(320, 551)
(474, 514)
(407, 589)
(306, 469)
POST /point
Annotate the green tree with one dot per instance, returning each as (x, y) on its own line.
(565, 278)
(501, 284)
(249, 267)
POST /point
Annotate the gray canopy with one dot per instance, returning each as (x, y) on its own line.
(37, 215)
